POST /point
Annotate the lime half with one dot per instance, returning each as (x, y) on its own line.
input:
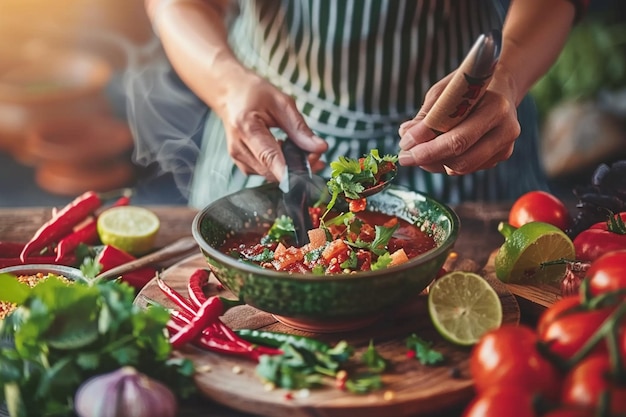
(531, 254)
(129, 228)
(463, 306)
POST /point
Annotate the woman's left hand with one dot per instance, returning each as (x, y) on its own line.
(485, 138)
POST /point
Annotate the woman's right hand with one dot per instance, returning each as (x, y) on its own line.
(249, 107)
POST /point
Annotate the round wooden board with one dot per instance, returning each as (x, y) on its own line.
(416, 389)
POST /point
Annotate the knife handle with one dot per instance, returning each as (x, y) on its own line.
(468, 84)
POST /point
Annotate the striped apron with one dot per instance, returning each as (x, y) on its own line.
(358, 69)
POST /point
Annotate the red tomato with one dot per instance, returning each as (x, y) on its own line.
(584, 385)
(507, 356)
(566, 334)
(499, 401)
(539, 206)
(559, 308)
(607, 273)
(601, 238)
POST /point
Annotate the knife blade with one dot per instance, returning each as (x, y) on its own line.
(296, 188)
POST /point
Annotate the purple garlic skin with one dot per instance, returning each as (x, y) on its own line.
(124, 393)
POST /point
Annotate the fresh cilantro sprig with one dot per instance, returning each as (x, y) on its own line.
(63, 334)
(380, 242)
(424, 351)
(350, 177)
(374, 361)
(301, 367)
(282, 228)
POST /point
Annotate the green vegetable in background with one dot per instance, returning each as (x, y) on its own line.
(63, 334)
(593, 59)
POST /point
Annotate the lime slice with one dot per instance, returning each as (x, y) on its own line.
(530, 254)
(129, 228)
(463, 306)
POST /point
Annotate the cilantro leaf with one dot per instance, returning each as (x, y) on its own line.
(374, 360)
(282, 228)
(423, 350)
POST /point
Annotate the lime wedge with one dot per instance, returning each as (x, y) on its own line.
(530, 254)
(129, 228)
(463, 306)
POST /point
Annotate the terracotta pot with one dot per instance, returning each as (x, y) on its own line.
(71, 180)
(78, 141)
(48, 84)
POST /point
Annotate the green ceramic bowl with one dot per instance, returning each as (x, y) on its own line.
(308, 297)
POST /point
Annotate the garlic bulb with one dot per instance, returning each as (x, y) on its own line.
(124, 393)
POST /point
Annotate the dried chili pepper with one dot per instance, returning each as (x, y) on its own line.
(63, 223)
(87, 234)
(195, 286)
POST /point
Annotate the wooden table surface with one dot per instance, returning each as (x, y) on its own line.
(477, 240)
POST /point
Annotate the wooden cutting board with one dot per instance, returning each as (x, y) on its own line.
(533, 299)
(410, 389)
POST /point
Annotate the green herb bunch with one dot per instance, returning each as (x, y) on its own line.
(61, 334)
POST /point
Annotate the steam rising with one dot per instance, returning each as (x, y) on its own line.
(166, 118)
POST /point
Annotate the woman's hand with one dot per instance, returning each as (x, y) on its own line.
(485, 138)
(248, 109)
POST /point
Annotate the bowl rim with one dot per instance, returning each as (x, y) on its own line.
(447, 245)
(69, 272)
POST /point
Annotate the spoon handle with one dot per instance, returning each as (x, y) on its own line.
(468, 84)
(178, 248)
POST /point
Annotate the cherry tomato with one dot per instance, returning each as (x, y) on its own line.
(566, 334)
(601, 238)
(539, 206)
(507, 356)
(499, 401)
(607, 273)
(559, 308)
(585, 383)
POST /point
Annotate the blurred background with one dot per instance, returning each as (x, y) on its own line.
(62, 103)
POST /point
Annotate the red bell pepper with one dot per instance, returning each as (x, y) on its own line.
(600, 238)
(110, 257)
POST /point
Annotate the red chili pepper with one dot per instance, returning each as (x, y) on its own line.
(215, 344)
(600, 238)
(10, 249)
(87, 234)
(195, 286)
(208, 313)
(176, 297)
(63, 223)
(110, 257)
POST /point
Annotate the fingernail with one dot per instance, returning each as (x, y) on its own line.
(405, 158)
(406, 142)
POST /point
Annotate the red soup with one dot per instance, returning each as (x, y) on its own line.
(340, 244)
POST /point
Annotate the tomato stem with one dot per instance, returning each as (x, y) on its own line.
(608, 327)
